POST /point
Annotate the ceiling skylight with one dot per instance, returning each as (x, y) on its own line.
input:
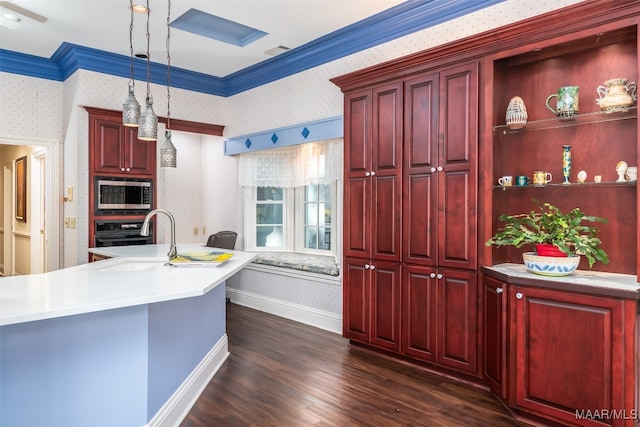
(214, 27)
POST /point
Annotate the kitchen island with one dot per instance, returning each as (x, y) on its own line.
(127, 341)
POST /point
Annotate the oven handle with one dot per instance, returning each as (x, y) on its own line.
(120, 239)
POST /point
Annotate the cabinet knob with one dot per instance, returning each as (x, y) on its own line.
(439, 276)
(122, 169)
(519, 295)
(498, 290)
(367, 174)
(366, 266)
(433, 169)
(440, 168)
(373, 173)
(128, 169)
(372, 267)
(432, 275)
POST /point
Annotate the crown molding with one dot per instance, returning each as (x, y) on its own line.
(398, 21)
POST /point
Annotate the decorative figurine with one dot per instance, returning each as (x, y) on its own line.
(621, 169)
(582, 177)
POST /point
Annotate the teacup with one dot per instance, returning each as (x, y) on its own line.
(522, 180)
(505, 181)
(541, 177)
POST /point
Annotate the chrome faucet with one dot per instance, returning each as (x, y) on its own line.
(144, 231)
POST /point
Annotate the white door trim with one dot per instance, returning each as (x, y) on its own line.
(53, 209)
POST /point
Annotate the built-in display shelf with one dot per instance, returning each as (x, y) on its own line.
(579, 120)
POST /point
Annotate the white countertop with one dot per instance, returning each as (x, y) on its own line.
(599, 279)
(110, 284)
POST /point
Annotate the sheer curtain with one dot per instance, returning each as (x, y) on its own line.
(292, 166)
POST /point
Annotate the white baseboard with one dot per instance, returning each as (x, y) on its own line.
(180, 403)
(310, 316)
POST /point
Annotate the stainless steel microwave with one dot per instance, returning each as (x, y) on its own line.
(126, 196)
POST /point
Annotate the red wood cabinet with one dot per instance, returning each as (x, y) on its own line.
(373, 164)
(372, 302)
(573, 352)
(440, 316)
(440, 172)
(494, 333)
(116, 149)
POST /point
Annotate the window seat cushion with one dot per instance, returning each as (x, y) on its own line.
(298, 261)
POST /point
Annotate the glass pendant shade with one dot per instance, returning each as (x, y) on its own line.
(130, 110)
(148, 122)
(168, 152)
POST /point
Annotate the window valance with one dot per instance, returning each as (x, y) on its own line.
(293, 166)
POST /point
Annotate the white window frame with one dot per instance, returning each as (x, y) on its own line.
(293, 226)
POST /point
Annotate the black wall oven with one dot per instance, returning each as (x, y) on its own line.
(122, 196)
(121, 233)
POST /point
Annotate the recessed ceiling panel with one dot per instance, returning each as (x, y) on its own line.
(214, 27)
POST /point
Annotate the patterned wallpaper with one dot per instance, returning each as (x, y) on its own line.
(202, 191)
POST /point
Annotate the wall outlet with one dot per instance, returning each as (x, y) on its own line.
(195, 231)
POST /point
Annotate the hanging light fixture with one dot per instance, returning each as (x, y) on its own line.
(168, 152)
(148, 121)
(131, 107)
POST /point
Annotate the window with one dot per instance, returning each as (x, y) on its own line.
(292, 207)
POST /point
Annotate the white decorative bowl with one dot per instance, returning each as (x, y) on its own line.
(550, 266)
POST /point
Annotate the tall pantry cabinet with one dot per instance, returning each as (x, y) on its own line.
(410, 236)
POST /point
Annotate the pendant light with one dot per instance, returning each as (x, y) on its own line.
(131, 107)
(148, 121)
(168, 152)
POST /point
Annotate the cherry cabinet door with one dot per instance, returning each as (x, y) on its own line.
(570, 354)
(108, 140)
(457, 316)
(494, 334)
(139, 156)
(457, 156)
(356, 300)
(357, 174)
(420, 312)
(420, 169)
(385, 296)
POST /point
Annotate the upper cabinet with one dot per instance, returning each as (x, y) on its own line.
(373, 180)
(116, 149)
(440, 173)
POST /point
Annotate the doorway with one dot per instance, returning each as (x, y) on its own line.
(31, 246)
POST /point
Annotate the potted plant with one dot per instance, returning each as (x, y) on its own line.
(548, 226)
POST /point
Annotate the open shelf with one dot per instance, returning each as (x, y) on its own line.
(570, 185)
(579, 120)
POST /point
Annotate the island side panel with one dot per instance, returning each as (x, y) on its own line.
(82, 370)
(181, 333)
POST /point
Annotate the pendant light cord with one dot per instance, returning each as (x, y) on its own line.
(131, 80)
(168, 64)
(148, 53)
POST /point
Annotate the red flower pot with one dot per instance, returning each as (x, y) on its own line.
(546, 249)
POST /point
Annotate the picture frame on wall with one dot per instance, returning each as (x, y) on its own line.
(21, 188)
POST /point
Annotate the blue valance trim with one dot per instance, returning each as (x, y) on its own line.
(317, 130)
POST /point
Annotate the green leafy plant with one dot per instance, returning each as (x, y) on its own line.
(550, 225)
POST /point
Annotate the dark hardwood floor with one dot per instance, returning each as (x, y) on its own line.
(283, 373)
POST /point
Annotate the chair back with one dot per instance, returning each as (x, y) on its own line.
(223, 240)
